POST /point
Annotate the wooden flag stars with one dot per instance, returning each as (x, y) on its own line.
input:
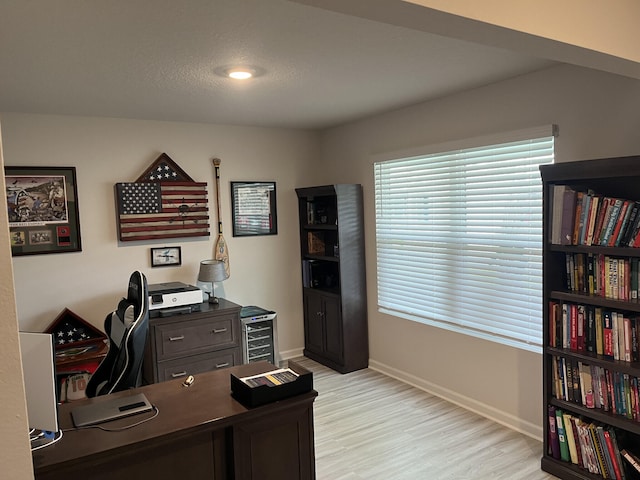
(164, 202)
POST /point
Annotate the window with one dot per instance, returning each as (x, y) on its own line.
(459, 237)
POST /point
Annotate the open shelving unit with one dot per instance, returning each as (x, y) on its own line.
(333, 275)
(573, 283)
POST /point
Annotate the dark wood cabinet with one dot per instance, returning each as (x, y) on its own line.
(323, 325)
(333, 275)
(191, 343)
(582, 377)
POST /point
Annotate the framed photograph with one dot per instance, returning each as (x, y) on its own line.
(254, 208)
(166, 257)
(43, 210)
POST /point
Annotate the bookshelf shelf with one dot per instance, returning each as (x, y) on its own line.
(333, 275)
(591, 317)
(319, 226)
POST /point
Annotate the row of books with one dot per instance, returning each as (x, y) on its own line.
(596, 387)
(587, 218)
(603, 275)
(586, 328)
(318, 213)
(591, 446)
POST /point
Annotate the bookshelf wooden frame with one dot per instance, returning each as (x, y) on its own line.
(333, 274)
(616, 177)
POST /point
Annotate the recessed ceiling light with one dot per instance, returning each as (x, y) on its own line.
(239, 72)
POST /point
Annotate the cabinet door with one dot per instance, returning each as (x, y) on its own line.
(333, 328)
(275, 446)
(314, 324)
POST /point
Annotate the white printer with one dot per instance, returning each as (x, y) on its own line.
(173, 297)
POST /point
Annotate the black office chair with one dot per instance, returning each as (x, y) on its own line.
(126, 329)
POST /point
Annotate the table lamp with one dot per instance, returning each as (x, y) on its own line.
(212, 271)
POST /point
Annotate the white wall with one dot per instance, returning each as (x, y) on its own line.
(264, 271)
(597, 114)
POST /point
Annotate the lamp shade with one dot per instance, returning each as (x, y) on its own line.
(212, 271)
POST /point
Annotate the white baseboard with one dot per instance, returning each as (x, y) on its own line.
(289, 354)
(510, 421)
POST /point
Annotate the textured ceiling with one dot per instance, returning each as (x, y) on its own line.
(156, 59)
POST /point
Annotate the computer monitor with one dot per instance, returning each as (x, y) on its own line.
(39, 373)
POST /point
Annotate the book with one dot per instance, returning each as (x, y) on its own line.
(571, 441)
(557, 201)
(586, 385)
(603, 209)
(568, 216)
(562, 439)
(614, 454)
(554, 442)
(630, 226)
(632, 458)
(613, 218)
(578, 218)
(607, 334)
(620, 221)
(591, 220)
(587, 200)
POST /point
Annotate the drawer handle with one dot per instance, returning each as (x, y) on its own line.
(175, 339)
(219, 330)
(178, 374)
(222, 365)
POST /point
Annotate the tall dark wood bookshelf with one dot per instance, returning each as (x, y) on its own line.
(333, 275)
(617, 178)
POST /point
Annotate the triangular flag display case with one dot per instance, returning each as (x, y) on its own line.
(70, 331)
(164, 202)
(79, 347)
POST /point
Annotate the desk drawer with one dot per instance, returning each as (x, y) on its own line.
(198, 364)
(194, 336)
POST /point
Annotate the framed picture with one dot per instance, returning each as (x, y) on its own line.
(254, 208)
(166, 256)
(43, 210)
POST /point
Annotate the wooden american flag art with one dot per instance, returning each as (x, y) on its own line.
(164, 202)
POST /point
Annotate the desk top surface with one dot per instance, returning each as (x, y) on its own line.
(206, 405)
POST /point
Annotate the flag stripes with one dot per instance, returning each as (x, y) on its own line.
(157, 210)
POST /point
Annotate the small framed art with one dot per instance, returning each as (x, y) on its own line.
(254, 208)
(42, 207)
(166, 257)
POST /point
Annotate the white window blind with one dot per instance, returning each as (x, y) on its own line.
(459, 238)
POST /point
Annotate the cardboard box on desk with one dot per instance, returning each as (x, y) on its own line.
(254, 396)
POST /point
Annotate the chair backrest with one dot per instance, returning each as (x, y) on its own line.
(126, 328)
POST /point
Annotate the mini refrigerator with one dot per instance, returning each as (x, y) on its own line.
(259, 335)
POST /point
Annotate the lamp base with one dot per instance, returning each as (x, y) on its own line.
(213, 299)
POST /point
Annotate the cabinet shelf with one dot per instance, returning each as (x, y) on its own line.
(565, 470)
(597, 301)
(320, 226)
(597, 250)
(632, 368)
(324, 258)
(599, 415)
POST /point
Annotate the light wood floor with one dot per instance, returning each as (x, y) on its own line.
(370, 426)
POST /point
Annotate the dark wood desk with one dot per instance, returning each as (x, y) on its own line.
(201, 432)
